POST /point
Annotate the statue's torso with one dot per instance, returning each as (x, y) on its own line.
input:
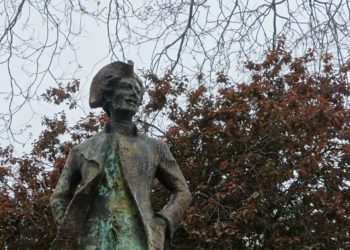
(113, 221)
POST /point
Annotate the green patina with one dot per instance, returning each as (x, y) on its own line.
(115, 224)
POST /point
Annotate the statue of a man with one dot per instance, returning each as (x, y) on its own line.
(102, 199)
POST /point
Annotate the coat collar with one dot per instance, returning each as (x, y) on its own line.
(96, 147)
(108, 129)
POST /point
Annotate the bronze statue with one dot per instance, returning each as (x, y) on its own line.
(102, 199)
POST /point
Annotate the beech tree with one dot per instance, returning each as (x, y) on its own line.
(267, 160)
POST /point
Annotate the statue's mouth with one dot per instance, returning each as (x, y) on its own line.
(132, 101)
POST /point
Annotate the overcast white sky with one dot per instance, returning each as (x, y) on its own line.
(91, 52)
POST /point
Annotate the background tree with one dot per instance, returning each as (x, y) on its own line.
(267, 160)
(40, 40)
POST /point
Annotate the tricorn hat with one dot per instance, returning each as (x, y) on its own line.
(115, 69)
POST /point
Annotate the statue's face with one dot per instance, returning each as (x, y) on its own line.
(126, 97)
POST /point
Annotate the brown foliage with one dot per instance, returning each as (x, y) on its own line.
(267, 161)
(27, 181)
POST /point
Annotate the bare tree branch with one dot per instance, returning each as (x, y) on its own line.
(183, 37)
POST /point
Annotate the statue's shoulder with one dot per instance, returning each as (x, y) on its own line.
(151, 140)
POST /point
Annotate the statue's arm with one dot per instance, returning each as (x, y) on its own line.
(65, 188)
(169, 174)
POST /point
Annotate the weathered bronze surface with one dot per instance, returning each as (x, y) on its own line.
(102, 199)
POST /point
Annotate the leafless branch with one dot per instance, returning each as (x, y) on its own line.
(167, 35)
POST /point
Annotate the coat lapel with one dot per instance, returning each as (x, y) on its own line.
(136, 158)
(96, 148)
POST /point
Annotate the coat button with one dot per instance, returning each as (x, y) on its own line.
(124, 149)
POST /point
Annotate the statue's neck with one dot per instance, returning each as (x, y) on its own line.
(122, 125)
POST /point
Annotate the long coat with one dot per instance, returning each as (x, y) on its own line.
(142, 159)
